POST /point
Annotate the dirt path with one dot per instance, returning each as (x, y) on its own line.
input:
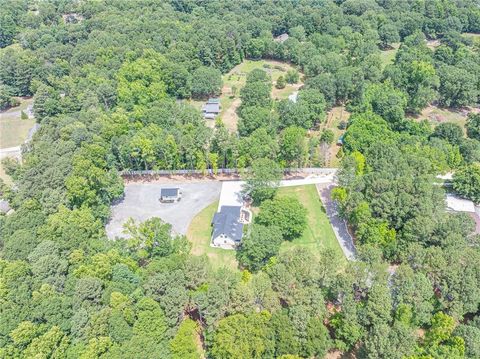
(230, 117)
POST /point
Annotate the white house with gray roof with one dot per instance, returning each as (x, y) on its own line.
(227, 227)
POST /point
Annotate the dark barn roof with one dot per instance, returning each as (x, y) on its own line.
(169, 192)
(226, 222)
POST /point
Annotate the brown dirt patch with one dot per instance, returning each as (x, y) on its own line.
(230, 117)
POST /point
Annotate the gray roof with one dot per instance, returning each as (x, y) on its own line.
(169, 192)
(211, 108)
(226, 222)
(281, 38)
(213, 100)
(4, 206)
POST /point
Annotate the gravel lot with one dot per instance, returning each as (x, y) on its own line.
(141, 202)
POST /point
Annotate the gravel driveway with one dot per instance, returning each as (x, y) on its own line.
(141, 202)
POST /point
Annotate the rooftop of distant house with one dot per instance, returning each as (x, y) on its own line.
(211, 108)
(458, 204)
(4, 206)
(281, 37)
(226, 222)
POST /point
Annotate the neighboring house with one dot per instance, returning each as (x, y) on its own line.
(227, 227)
(170, 195)
(211, 109)
(458, 204)
(5, 207)
(281, 38)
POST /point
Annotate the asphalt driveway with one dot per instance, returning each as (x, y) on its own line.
(141, 202)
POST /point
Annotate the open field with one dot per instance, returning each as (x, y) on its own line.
(388, 56)
(199, 233)
(436, 115)
(14, 130)
(319, 234)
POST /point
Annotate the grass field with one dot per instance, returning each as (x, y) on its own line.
(14, 130)
(319, 233)
(388, 56)
(436, 115)
(200, 232)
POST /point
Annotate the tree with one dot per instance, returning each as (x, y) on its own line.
(258, 246)
(184, 345)
(242, 337)
(388, 34)
(292, 76)
(386, 101)
(327, 136)
(293, 146)
(262, 179)
(449, 131)
(141, 81)
(473, 126)
(457, 87)
(206, 81)
(318, 340)
(46, 102)
(154, 238)
(6, 99)
(286, 213)
(281, 83)
(466, 182)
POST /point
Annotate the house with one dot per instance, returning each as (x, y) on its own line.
(5, 207)
(281, 38)
(227, 227)
(457, 204)
(168, 195)
(211, 109)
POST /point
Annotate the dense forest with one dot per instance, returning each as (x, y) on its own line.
(111, 82)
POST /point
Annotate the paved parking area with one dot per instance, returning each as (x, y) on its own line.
(141, 202)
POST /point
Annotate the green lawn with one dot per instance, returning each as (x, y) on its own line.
(388, 56)
(200, 233)
(319, 233)
(14, 130)
(317, 236)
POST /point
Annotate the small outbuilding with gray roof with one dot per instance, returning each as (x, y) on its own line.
(170, 195)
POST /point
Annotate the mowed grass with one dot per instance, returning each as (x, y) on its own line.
(318, 234)
(388, 56)
(199, 234)
(14, 130)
